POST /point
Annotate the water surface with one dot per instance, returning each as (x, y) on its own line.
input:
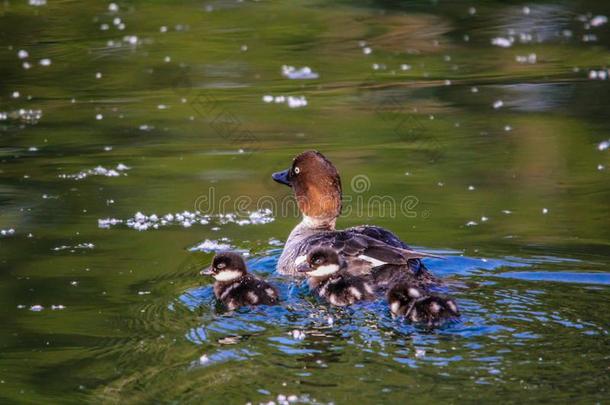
(475, 130)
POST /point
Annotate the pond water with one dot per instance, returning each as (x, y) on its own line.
(475, 130)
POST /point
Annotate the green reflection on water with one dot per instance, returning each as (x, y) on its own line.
(177, 104)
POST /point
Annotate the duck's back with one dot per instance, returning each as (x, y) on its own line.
(343, 289)
(249, 290)
(350, 243)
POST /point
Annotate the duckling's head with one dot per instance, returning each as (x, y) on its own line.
(226, 266)
(317, 187)
(321, 262)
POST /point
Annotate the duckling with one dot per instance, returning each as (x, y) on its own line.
(408, 300)
(330, 280)
(235, 287)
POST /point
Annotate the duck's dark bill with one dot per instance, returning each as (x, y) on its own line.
(281, 177)
(207, 271)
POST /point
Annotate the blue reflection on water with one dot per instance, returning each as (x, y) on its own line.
(303, 327)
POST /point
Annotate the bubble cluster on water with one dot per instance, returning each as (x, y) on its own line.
(294, 73)
(527, 59)
(86, 245)
(39, 308)
(127, 40)
(601, 74)
(27, 116)
(285, 399)
(208, 246)
(7, 232)
(186, 219)
(291, 101)
(97, 171)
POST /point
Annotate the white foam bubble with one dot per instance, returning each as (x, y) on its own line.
(598, 20)
(302, 73)
(502, 42)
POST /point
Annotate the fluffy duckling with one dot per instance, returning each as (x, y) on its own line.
(235, 287)
(415, 304)
(328, 278)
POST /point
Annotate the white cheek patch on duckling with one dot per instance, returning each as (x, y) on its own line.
(374, 262)
(270, 292)
(325, 270)
(414, 292)
(395, 307)
(452, 306)
(368, 288)
(227, 275)
(252, 297)
(435, 308)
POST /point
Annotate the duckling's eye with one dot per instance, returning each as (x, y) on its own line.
(221, 265)
(297, 170)
(318, 261)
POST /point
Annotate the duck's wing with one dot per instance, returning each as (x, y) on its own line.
(385, 236)
(379, 234)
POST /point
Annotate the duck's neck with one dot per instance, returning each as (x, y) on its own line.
(323, 224)
(307, 227)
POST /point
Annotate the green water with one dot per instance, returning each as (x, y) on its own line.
(492, 156)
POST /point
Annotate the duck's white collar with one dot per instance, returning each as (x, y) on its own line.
(317, 223)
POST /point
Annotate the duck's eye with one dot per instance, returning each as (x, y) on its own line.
(221, 265)
(318, 261)
(297, 170)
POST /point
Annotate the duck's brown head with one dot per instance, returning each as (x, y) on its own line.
(316, 185)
